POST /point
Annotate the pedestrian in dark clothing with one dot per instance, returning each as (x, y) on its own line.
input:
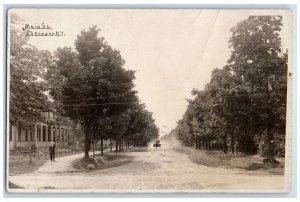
(52, 151)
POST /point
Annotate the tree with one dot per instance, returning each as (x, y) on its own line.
(184, 131)
(93, 83)
(257, 60)
(230, 101)
(119, 125)
(245, 101)
(28, 89)
(141, 127)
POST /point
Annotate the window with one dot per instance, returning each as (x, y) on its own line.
(19, 134)
(38, 127)
(26, 135)
(54, 134)
(10, 133)
(31, 136)
(67, 135)
(58, 135)
(44, 133)
(49, 133)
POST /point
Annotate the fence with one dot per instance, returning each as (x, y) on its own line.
(41, 154)
(38, 154)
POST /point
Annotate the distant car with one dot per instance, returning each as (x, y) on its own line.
(157, 144)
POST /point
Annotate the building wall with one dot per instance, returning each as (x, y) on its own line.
(40, 137)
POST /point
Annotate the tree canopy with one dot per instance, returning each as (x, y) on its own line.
(94, 89)
(28, 88)
(243, 106)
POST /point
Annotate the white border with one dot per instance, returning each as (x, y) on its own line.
(152, 2)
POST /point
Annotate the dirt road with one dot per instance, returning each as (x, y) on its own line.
(152, 170)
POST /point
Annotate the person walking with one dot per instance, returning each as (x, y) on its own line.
(52, 151)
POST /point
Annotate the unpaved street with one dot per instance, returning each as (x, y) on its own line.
(153, 170)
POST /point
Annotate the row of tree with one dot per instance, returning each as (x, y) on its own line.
(243, 107)
(89, 85)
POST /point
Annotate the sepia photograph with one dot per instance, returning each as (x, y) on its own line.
(148, 100)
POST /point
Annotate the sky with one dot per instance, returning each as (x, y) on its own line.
(172, 51)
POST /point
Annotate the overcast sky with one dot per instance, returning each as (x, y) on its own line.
(172, 51)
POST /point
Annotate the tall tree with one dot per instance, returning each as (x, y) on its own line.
(257, 59)
(28, 89)
(93, 82)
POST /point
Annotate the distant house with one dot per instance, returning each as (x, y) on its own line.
(41, 135)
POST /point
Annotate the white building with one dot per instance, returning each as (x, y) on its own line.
(40, 136)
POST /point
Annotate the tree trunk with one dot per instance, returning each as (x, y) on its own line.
(119, 149)
(270, 157)
(93, 148)
(101, 146)
(116, 147)
(201, 143)
(232, 141)
(245, 144)
(225, 144)
(86, 146)
(110, 145)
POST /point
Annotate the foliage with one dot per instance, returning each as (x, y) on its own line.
(244, 104)
(90, 86)
(28, 89)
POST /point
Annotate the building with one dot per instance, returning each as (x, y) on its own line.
(41, 135)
